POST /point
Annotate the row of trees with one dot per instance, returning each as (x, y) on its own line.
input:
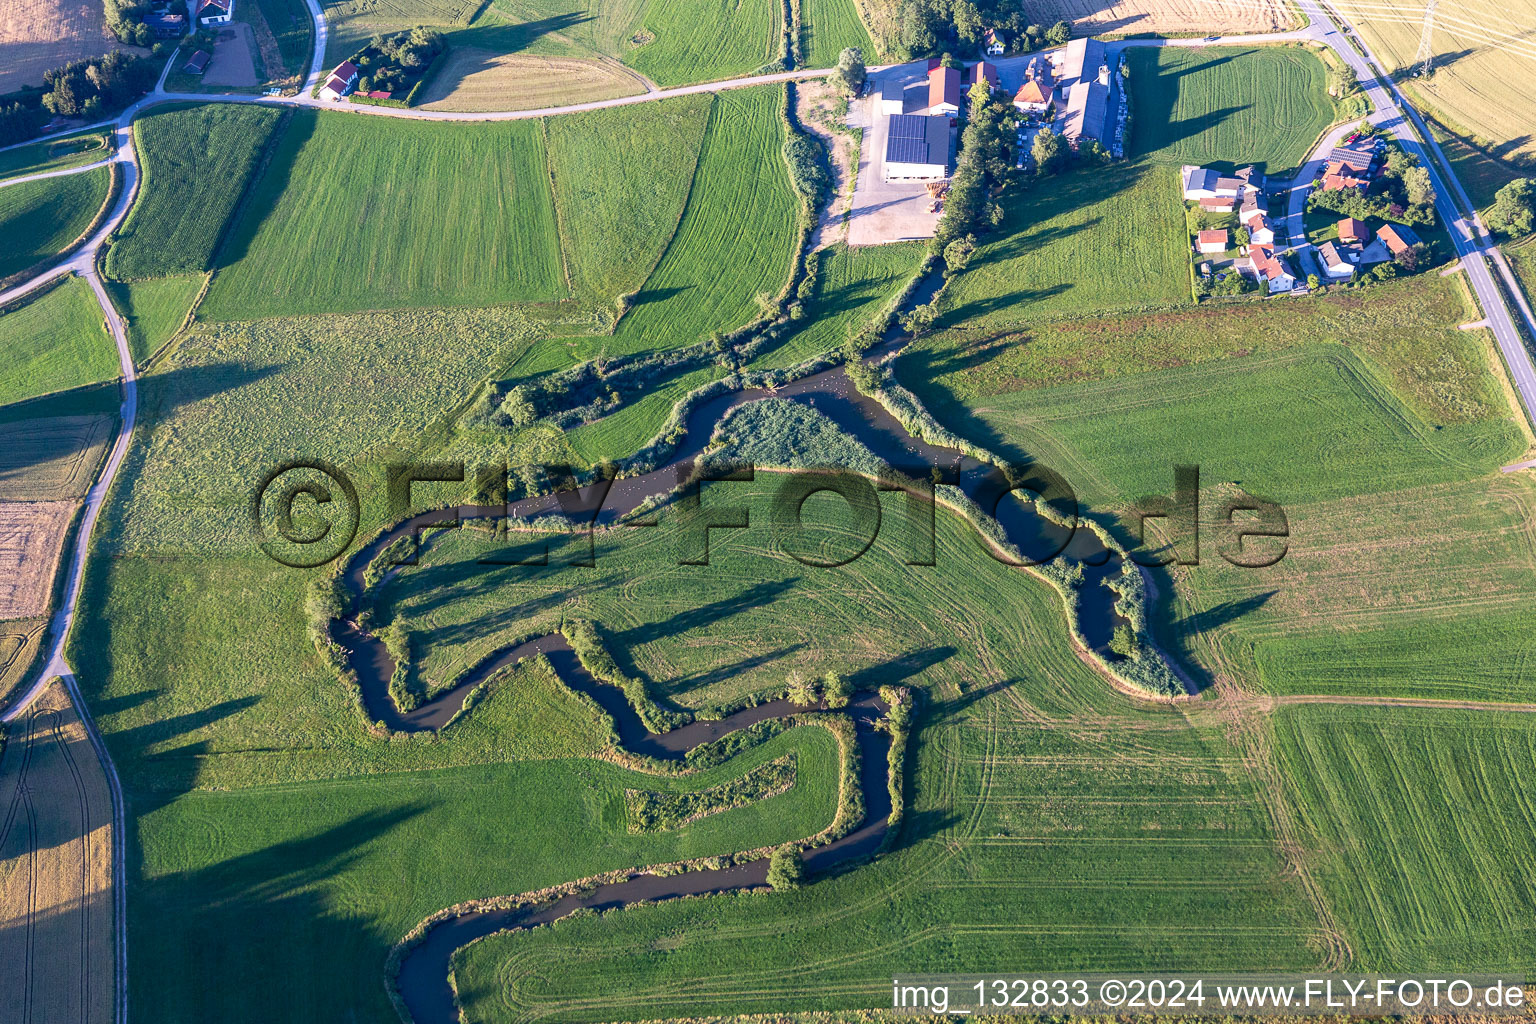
(18, 122)
(1514, 209)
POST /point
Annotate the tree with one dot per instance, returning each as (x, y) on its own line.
(968, 22)
(979, 94)
(949, 60)
(1059, 34)
(849, 75)
(837, 690)
(1123, 641)
(1514, 209)
(785, 868)
(958, 253)
(1092, 152)
(518, 407)
(917, 320)
(1314, 282)
(802, 690)
(1048, 152)
(1419, 189)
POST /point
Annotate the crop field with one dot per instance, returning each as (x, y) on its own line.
(1089, 241)
(617, 216)
(1260, 105)
(49, 457)
(54, 155)
(448, 217)
(353, 22)
(853, 285)
(56, 933)
(563, 28)
(1165, 17)
(736, 238)
(39, 219)
(701, 40)
(21, 640)
(1479, 45)
(480, 79)
(54, 343)
(31, 540)
(827, 26)
(1413, 813)
(294, 32)
(198, 163)
(1481, 174)
(153, 308)
(36, 35)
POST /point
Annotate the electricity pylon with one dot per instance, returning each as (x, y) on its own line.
(1424, 60)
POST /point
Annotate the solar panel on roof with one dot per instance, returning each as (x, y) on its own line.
(908, 126)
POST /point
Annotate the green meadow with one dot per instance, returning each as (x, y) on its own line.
(39, 219)
(55, 343)
(153, 309)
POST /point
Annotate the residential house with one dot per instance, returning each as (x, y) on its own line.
(1251, 177)
(1272, 269)
(1339, 176)
(917, 148)
(893, 93)
(1034, 96)
(1359, 159)
(1204, 183)
(166, 26)
(197, 64)
(1335, 263)
(995, 44)
(1250, 210)
(944, 91)
(341, 81)
(1260, 231)
(215, 12)
(1213, 241)
(1354, 231)
(1399, 238)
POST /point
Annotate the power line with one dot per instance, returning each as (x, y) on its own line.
(1424, 60)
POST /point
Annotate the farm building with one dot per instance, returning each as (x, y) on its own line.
(215, 12)
(1351, 230)
(983, 69)
(1335, 263)
(1399, 238)
(892, 95)
(1214, 240)
(340, 82)
(1091, 93)
(995, 44)
(944, 91)
(1034, 96)
(197, 63)
(1219, 204)
(917, 148)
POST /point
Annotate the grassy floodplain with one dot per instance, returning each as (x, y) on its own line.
(197, 164)
(55, 343)
(388, 215)
(39, 219)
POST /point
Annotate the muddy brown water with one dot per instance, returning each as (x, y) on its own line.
(423, 978)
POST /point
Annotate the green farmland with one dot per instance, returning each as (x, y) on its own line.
(39, 219)
(827, 26)
(154, 309)
(1264, 106)
(197, 164)
(55, 343)
(699, 40)
(54, 155)
(423, 215)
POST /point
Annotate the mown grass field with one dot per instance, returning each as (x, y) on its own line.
(55, 343)
(701, 40)
(154, 309)
(294, 31)
(197, 164)
(351, 23)
(1421, 827)
(827, 26)
(1478, 46)
(423, 215)
(1259, 105)
(852, 285)
(38, 219)
(617, 216)
(476, 78)
(54, 155)
(736, 237)
(1088, 241)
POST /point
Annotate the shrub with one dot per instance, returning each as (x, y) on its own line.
(786, 870)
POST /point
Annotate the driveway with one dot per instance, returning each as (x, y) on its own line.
(884, 211)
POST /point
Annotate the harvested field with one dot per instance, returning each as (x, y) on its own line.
(51, 457)
(1164, 17)
(1481, 47)
(36, 35)
(475, 79)
(19, 643)
(31, 539)
(56, 934)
